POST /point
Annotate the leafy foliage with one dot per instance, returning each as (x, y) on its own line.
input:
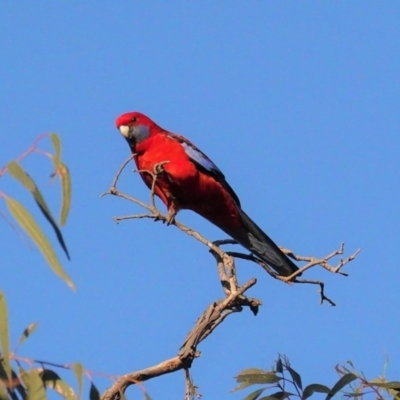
(285, 383)
(39, 378)
(25, 219)
(22, 378)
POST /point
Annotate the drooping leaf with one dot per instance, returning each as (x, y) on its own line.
(272, 398)
(3, 392)
(53, 381)
(78, 370)
(94, 393)
(48, 375)
(387, 385)
(242, 386)
(279, 366)
(315, 388)
(17, 172)
(63, 172)
(281, 395)
(255, 395)
(33, 230)
(266, 398)
(340, 384)
(6, 382)
(34, 385)
(4, 335)
(254, 376)
(27, 332)
(295, 376)
(55, 140)
(16, 384)
(278, 395)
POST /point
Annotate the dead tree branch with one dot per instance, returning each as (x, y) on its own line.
(235, 299)
(213, 316)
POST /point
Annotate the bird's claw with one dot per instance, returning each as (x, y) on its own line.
(159, 168)
(170, 219)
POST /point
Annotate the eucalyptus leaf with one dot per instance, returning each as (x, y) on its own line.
(4, 336)
(18, 173)
(33, 230)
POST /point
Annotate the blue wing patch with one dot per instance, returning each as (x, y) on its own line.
(200, 158)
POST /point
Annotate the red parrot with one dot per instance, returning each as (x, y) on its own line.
(190, 180)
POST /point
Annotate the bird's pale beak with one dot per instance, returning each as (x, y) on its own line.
(124, 129)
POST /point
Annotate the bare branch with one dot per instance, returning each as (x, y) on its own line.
(205, 325)
(32, 149)
(191, 390)
(235, 299)
(118, 388)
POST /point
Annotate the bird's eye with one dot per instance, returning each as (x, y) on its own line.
(134, 119)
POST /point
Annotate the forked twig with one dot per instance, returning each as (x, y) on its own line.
(235, 299)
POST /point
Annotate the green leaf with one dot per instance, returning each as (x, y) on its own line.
(295, 376)
(248, 372)
(27, 332)
(53, 381)
(3, 392)
(78, 370)
(17, 172)
(5, 382)
(55, 140)
(281, 395)
(267, 398)
(17, 385)
(34, 385)
(94, 394)
(30, 226)
(4, 336)
(254, 376)
(279, 366)
(278, 395)
(315, 388)
(255, 395)
(63, 172)
(386, 385)
(274, 398)
(340, 384)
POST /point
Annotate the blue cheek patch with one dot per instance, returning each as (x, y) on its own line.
(140, 132)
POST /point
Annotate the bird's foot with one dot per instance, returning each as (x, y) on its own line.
(171, 218)
(159, 168)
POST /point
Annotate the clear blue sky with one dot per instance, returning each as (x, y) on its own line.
(298, 104)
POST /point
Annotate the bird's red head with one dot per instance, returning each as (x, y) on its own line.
(135, 127)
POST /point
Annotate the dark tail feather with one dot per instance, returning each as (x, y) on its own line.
(263, 247)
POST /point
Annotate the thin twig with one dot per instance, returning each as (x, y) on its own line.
(213, 316)
(216, 312)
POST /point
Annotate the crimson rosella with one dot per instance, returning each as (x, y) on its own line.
(190, 180)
